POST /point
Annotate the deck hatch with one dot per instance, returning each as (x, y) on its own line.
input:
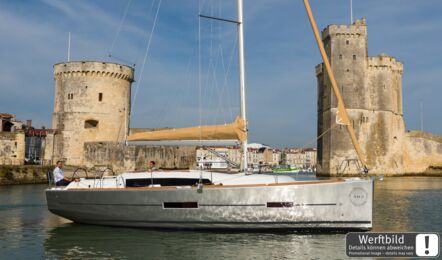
(279, 204)
(180, 205)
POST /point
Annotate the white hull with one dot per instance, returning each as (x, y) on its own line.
(340, 204)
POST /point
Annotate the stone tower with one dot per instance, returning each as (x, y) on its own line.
(372, 92)
(92, 103)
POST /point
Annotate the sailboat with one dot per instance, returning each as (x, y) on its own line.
(197, 199)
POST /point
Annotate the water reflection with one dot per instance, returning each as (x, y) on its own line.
(84, 241)
(408, 204)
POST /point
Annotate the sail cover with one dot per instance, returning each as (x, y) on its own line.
(341, 115)
(233, 131)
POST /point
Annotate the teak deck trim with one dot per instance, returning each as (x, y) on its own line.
(211, 186)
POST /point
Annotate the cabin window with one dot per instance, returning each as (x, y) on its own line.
(144, 182)
(279, 204)
(91, 123)
(180, 205)
(100, 97)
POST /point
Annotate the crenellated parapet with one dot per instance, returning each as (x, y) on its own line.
(93, 69)
(319, 69)
(91, 103)
(385, 62)
(356, 30)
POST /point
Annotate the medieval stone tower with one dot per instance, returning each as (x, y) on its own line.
(372, 91)
(92, 103)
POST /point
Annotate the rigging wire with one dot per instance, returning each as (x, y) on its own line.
(225, 85)
(199, 83)
(149, 14)
(170, 105)
(123, 19)
(119, 28)
(146, 54)
(312, 141)
(199, 68)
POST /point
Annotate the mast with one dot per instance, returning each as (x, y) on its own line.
(242, 82)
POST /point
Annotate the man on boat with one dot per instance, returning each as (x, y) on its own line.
(152, 166)
(59, 178)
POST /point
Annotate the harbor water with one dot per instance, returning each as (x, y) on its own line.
(29, 231)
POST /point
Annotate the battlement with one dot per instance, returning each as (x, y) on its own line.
(384, 61)
(319, 69)
(93, 69)
(357, 29)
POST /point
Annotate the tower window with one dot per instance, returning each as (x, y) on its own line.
(354, 57)
(91, 123)
(347, 42)
(70, 96)
(100, 97)
(340, 56)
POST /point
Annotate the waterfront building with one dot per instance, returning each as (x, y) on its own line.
(303, 158)
(258, 155)
(276, 157)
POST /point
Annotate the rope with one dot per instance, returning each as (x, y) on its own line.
(317, 138)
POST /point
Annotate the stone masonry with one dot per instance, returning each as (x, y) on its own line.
(92, 103)
(133, 157)
(372, 92)
(12, 148)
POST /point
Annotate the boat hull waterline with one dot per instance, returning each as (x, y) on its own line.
(340, 205)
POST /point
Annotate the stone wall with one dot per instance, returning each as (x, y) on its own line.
(92, 103)
(24, 174)
(134, 157)
(12, 148)
(48, 149)
(422, 153)
(372, 91)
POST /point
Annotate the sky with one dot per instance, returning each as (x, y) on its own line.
(279, 47)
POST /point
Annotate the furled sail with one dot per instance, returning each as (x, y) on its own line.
(233, 131)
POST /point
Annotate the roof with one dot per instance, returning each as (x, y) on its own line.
(6, 115)
(38, 132)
